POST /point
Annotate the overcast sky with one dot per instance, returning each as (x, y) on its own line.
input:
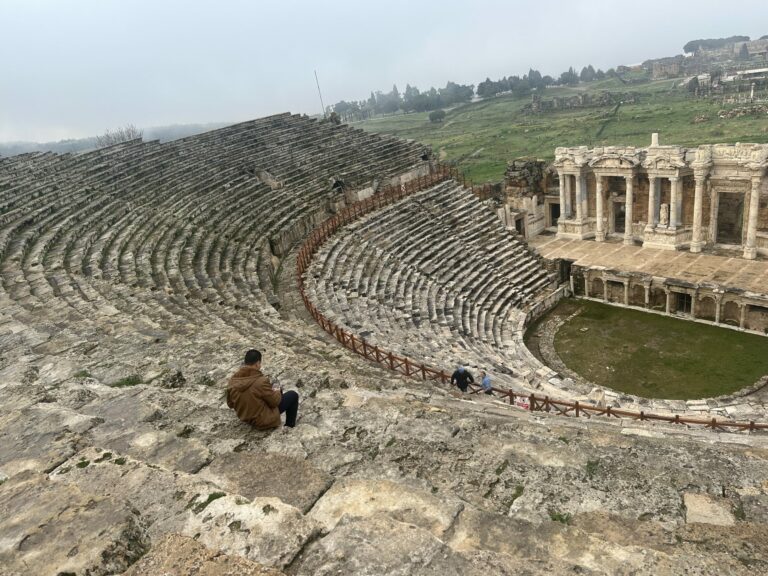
(73, 68)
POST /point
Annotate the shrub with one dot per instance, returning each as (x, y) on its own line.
(436, 116)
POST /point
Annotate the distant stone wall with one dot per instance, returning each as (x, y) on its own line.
(538, 105)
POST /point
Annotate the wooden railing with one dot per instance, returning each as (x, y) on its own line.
(413, 369)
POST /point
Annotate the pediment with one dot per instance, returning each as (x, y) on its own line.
(614, 162)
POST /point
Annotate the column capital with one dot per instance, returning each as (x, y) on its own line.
(700, 176)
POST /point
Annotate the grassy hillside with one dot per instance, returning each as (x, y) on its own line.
(482, 137)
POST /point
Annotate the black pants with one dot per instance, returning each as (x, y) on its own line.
(289, 404)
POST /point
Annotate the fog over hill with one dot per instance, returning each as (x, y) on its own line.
(82, 67)
(162, 133)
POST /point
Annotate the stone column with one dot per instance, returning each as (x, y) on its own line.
(628, 211)
(578, 199)
(742, 315)
(563, 214)
(586, 285)
(647, 287)
(750, 249)
(673, 216)
(584, 196)
(652, 191)
(718, 301)
(694, 300)
(600, 227)
(669, 300)
(626, 292)
(698, 201)
(568, 206)
(605, 289)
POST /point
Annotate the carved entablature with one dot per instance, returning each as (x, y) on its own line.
(743, 154)
(615, 161)
(572, 160)
(716, 161)
(738, 161)
(666, 161)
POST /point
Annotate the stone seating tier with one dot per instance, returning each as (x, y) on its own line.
(180, 233)
(433, 277)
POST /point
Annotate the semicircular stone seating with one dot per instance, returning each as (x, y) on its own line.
(103, 249)
(437, 278)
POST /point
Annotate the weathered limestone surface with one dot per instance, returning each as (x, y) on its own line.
(133, 278)
(182, 556)
(293, 480)
(50, 528)
(702, 509)
(361, 498)
(265, 529)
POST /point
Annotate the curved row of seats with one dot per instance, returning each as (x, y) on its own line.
(178, 231)
(435, 277)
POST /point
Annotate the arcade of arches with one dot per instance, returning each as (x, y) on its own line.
(715, 304)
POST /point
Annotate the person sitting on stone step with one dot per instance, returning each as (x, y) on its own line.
(485, 380)
(257, 401)
(462, 378)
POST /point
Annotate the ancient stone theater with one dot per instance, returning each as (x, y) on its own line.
(134, 277)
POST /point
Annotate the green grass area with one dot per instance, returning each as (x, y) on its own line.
(658, 356)
(483, 136)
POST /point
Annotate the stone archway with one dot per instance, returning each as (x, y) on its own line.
(706, 308)
(615, 292)
(757, 318)
(596, 289)
(658, 299)
(731, 313)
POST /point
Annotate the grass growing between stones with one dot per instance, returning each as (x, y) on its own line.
(132, 380)
(658, 356)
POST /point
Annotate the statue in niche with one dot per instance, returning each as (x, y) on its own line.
(664, 215)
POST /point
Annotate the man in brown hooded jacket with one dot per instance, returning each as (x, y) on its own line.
(250, 394)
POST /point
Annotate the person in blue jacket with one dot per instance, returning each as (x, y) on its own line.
(485, 380)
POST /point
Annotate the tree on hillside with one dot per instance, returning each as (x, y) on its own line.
(535, 80)
(410, 98)
(587, 74)
(436, 116)
(570, 77)
(123, 134)
(743, 52)
(456, 93)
